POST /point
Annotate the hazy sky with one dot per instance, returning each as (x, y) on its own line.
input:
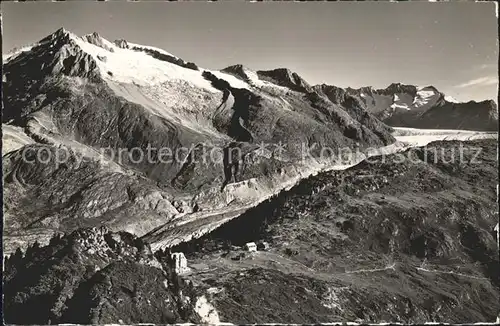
(452, 46)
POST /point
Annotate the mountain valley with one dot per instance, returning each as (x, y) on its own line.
(116, 154)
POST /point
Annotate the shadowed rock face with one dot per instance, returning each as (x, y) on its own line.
(285, 77)
(470, 115)
(31, 78)
(66, 93)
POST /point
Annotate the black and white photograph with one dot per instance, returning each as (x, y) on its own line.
(250, 162)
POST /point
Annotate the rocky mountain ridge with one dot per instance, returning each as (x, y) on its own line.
(401, 105)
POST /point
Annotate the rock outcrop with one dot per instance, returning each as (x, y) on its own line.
(94, 276)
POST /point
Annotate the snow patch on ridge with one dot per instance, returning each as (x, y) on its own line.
(16, 52)
(179, 94)
(396, 105)
(425, 96)
(247, 78)
(134, 67)
(257, 82)
(451, 99)
(233, 81)
(399, 106)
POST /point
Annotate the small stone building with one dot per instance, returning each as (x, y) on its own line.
(251, 247)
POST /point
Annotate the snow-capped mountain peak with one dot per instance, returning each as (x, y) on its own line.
(52, 38)
(404, 105)
(131, 65)
(426, 96)
(451, 99)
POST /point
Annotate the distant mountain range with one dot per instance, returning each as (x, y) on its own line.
(398, 105)
(425, 107)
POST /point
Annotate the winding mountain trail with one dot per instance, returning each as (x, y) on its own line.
(450, 272)
(373, 270)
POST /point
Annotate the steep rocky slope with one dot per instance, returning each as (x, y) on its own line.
(94, 276)
(401, 105)
(470, 115)
(113, 107)
(407, 240)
